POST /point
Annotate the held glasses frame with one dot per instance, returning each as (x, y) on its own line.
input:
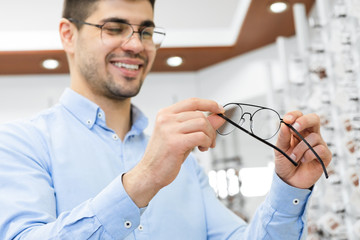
(266, 142)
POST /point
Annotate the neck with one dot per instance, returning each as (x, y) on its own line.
(118, 112)
(118, 115)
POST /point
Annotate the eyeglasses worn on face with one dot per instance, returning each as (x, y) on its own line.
(264, 124)
(116, 32)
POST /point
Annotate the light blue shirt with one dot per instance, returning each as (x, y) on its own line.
(60, 178)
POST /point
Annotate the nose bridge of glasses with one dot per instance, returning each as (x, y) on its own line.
(243, 119)
(131, 38)
(136, 38)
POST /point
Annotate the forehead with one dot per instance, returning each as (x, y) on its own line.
(135, 11)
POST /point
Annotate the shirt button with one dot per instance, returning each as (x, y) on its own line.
(100, 115)
(296, 201)
(88, 122)
(115, 137)
(140, 227)
(127, 224)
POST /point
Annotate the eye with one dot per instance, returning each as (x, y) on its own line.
(114, 28)
(147, 33)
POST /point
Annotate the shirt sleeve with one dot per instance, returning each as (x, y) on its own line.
(280, 216)
(28, 202)
(283, 213)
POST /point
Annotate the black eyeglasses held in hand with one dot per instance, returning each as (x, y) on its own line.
(264, 124)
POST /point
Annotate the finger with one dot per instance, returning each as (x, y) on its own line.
(284, 138)
(322, 151)
(197, 139)
(290, 117)
(199, 125)
(299, 150)
(216, 121)
(185, 116)
(197, 104)
(203, 149)
(309, 121)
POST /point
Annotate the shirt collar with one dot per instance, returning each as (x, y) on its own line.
(89, 113)
(140, 121)
(81, 107)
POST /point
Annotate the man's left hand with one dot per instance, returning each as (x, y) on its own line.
(309, 168)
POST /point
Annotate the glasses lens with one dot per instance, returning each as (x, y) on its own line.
(158, 36)
(234, 113)
(265, 123)
(115, 31)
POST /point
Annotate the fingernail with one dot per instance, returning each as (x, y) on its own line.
(289, 118)
(302, 160)
(293, 157)
(221, 108)
(296, 126)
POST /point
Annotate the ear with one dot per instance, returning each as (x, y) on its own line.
(68, 33)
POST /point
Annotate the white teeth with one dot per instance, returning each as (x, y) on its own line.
(127, 66)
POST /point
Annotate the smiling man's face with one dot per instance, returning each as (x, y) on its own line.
(114, 69)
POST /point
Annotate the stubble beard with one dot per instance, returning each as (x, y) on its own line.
(105, 85)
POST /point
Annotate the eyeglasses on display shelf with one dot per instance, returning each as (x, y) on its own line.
(334, 69)
(299, 82)
(264, 123)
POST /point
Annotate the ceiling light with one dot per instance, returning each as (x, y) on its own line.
(174, 61)
(50, 64)
(278, 7)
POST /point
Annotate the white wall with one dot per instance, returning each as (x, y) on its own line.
(22, 96)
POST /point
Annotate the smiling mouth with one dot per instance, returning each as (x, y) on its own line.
(127, 66)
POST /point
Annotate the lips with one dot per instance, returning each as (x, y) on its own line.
(127, 66)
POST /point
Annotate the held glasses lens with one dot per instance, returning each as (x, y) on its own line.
(265, 123)
(233, 112)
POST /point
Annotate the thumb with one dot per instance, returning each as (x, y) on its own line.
(284, 138)
(215, 121)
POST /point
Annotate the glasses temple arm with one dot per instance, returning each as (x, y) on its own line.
(258, 138)
(303, 139)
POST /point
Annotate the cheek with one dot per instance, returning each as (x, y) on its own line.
(151, 59)
(92, 47)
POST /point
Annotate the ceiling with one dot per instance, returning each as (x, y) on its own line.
(202, 32)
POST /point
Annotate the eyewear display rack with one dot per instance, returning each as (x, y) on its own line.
(324, 77)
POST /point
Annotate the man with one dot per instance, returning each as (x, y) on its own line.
(85, 170)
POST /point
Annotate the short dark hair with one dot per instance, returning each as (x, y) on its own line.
(82, 9)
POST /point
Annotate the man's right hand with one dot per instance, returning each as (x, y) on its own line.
(178, 130)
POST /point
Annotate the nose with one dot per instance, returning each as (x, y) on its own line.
(133, 43)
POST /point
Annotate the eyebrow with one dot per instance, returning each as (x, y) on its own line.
(146, 23)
